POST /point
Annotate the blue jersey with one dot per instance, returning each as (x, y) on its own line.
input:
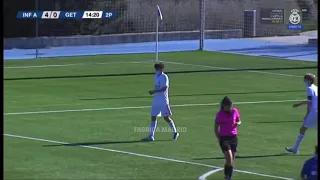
(310, 169)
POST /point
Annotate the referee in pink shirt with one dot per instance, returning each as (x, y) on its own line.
(225, 128)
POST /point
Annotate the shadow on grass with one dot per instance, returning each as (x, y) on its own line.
(100, 143)
(152, 73)
(258, 156)
(275, 122)
(192, 95)
(280, 51)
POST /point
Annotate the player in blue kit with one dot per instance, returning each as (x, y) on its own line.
(310, 168)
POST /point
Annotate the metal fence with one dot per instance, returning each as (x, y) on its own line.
(137, 16)
(183, 19)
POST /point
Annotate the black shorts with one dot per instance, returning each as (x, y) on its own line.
(229, 143)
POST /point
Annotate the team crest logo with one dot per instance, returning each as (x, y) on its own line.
(295, 17)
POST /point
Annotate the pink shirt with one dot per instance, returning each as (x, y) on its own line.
(228, 122)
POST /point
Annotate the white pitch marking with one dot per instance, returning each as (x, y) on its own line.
(67, 65)
(144, 155)
(215, 67)
(204, 176)
(139, 107)
(169, 62)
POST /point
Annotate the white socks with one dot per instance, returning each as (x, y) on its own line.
(298, 142)
(173, 127)
(153, 126)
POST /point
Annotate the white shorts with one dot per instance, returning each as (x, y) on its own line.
(311, 119)
(161, 110)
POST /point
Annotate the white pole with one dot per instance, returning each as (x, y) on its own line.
(37, 30)
(157, 40)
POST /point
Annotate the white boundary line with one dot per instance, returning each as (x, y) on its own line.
(204, 176)
(146, 61)
(139, 107)
(144, 155)
(75, 64)
(215, 67)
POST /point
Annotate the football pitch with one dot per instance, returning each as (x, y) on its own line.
(83, 117)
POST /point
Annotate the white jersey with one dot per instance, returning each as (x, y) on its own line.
(160, 82)
(312, 92)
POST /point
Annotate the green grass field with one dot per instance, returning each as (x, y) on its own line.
(83, 123)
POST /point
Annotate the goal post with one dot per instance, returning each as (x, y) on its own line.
(140, 21)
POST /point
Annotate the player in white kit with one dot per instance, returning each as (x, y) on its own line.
(160, 105)
(311, 119)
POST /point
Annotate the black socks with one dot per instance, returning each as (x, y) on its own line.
(228, 171)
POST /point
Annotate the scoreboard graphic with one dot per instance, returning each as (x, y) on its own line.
(66, 14)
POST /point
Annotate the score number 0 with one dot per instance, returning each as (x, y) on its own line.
(50, 15)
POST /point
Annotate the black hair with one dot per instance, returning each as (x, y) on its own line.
(159, 66)
(226, 101)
